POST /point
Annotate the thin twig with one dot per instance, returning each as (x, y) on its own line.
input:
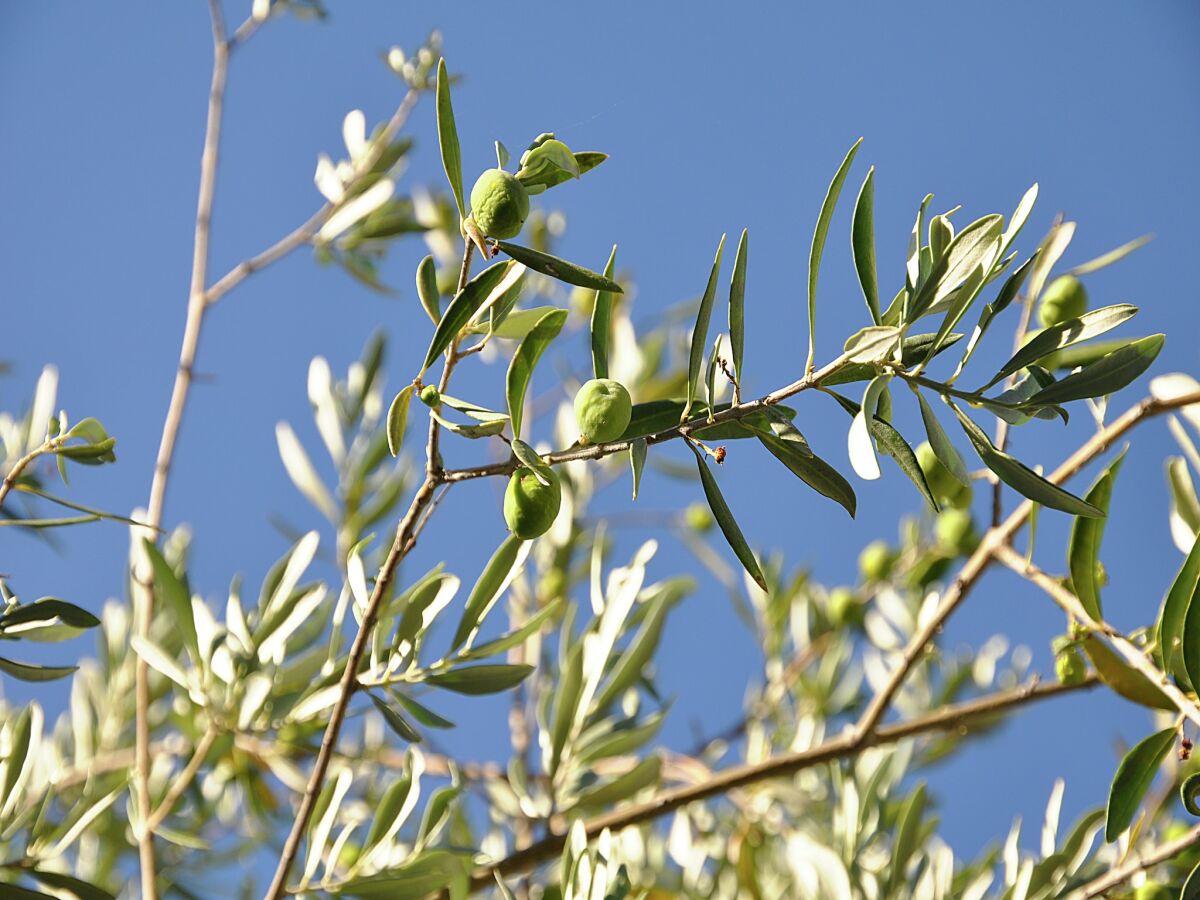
(1071, 605)
(684, 429)
(18, 467)
(404, 541)
(304, 233)
(170, 434)
(1139, 863)
(1002, 424)
(954, 717)
(184, 781)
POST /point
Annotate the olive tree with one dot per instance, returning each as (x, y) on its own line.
(281, 736)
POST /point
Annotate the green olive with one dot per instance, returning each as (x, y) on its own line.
(499, 204)
(603, 410)
(430, 396)
(531, 507)
(845, 609)
(1065, 298)
(698, 517)
(1069, 666)
(946, 489)
(876, 561)
(955, 531)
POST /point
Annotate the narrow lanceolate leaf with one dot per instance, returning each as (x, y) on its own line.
(47, 611)
(945, 451)
(1191, 887)
(914, 350)
(602, 322)
(175, 597)
(892, 443)
(637, 462)
(813, 471)
(975, 245)
(461, 309)
(427, 289)
(728, 525)
(700, 331)
(1191, 640)
(1106, 375)
(860, 440)
(1019, 217)
(1112, 256)
(477, 680)
(862, 243)
(1056, 337)
(1124, 680)
(737, 306)
(1180, 598)
(1134, 777)
(397, 420)
(559, 268)
(1083, 549)
(710, 375)
(520, 370)
(497, 575)
(963, 298)
(908, 836)
(1021, 478)
(395, 721)
(448, 138)
(32, 672)
(818, 245)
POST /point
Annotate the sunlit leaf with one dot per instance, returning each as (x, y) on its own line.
(448, 139)
(700, 330)
(602, 321)
(1083, 549)
(818, 244)
(397, 419)
(726, 522)
(862, 243)
(520, 370)
(737, 305)
(1106, 375)
(1133, 779)
(559, 268)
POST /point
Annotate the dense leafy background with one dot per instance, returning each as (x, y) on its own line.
(715, 120)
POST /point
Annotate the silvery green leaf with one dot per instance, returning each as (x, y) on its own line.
(818, 243)
(862, 245)
(700, 331)
(1112, 256)
(873, 344)
(448, 138)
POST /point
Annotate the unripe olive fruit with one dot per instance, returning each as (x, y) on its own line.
(876, 560)
(602, 410)
(955, 531)
(845, 609)
(499, 204)
(1065, 298)
(430, 396)
(698, 517)
(943, 485)
(531, 507)
(1069, 666)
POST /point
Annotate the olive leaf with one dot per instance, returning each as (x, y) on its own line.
(700, 331)
(528, 457)
(871, 345)
(1020, 477)
(32, 672)
(1008, 292)
(602, 322)
(1124, 680)
(1083, 548)
(1112, 256)
(400, 725)
(818, 245)
(559, 268)
(448, 137)
(397, 419)
(461, 309)
(1133, 779)
(737, 306)
(914, 350)
(176, 598)
(726, 522)
(862, 245)
(637, 462)
(497, 575)
(975, 245)
(945, 451)
(1180, 598)
(1064, 334)
(813, 471)
(860, 439)
(1106, 375)
(520, 370)
(481, 679)
(892, 443)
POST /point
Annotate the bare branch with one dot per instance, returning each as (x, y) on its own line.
(1139, 863)
(170, 434)
(955, 717)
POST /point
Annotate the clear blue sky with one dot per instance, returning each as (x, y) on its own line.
(717, 116)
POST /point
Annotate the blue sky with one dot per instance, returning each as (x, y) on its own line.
(717, 116)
